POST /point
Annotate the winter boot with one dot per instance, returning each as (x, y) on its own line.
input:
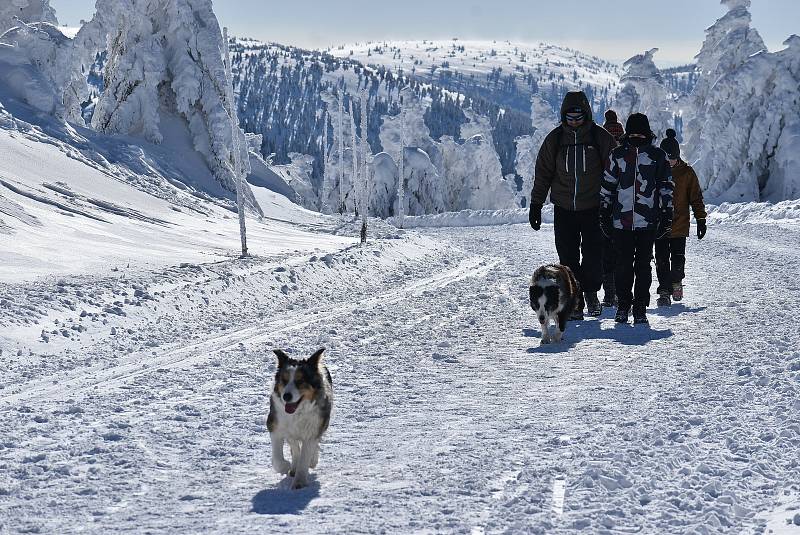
(593, 306)
(677, 291)
(664, 299)
(640, 313)
(622, 314)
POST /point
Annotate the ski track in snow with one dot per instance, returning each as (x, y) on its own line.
(448, 417)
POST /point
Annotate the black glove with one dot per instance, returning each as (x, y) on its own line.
(664, 228)
(606, 222)
(535, 216)
(701, 228)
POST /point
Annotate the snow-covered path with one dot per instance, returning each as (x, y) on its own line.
(449, 416)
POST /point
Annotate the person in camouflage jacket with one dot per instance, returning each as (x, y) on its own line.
(636, 208)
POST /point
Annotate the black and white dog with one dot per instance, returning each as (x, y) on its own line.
(299, 413)
(555, 293)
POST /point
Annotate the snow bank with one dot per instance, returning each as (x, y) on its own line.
(473, 218)
(786, 212)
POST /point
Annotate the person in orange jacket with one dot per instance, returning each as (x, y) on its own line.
(671, 251)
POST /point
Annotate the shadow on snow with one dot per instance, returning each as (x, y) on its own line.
(282, 500)
(676, 309)
(622, 333)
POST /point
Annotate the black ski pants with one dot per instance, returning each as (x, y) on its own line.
(670, 262)
(579, 243)
(609, 264)
(634, 250)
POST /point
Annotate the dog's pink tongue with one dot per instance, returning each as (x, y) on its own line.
(291, 407)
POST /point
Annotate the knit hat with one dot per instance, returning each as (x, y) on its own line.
(611, 116)
(670, 145)
(638, 123)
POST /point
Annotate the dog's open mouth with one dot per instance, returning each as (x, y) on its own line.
(291, 407)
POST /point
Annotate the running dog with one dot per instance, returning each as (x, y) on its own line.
(555, 293)
(299, 413)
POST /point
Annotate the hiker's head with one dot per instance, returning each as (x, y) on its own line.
(671, 146)
(611, 116)
(575, 116)
(574, 104)
(638, 125)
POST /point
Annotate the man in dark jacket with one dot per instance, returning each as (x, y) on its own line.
(637, 209)
(570, 167)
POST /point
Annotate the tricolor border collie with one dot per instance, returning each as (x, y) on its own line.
(299, 413)
(555, 293)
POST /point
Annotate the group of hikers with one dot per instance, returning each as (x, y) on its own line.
(616, 196)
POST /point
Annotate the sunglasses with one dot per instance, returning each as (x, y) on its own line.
(575, 117)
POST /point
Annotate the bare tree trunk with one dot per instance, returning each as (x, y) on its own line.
(237, 168)
(364, 166)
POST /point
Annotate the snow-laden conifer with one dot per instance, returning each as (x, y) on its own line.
(166, 57)
(15, 12)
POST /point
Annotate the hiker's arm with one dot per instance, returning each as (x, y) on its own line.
(610, 183)
(696, 197)
(545, 171)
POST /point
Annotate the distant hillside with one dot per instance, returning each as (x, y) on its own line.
(280, 89)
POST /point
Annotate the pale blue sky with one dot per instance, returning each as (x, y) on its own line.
(612, 29)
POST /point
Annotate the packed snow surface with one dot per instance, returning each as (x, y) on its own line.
(137, 367)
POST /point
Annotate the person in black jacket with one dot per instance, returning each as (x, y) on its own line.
(636, 209)
(570, 167)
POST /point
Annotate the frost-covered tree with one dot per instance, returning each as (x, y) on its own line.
(166, 57)
(743, 135)
(327, 185)
(644, 91)
(401, 158)
(543, 120)
(355, 152)
(39, 67)
(729, 42)
(12, 12)
(752, 130)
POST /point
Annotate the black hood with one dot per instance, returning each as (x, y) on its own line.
(576, 99)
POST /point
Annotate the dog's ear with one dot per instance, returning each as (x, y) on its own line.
(283, 358)
(315, 359)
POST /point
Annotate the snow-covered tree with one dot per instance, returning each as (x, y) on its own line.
(354, 148)
(165, 57)
(752, 131)
(543, 120)
(12, 12)
(644, 91)
(40, 68)
(401, 158)
(729, 42)
(324, 207)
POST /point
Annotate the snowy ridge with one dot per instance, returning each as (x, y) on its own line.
(511, 71)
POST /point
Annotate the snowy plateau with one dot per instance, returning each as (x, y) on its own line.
(136, 360)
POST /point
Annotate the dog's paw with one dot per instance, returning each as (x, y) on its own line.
(300, 481)
(545, 341)
(281, 466)
(557, 338)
